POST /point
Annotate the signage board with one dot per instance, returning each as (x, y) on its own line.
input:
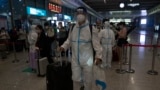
(35, 11)
(54, 8)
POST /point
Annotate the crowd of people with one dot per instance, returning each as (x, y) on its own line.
(88, 46)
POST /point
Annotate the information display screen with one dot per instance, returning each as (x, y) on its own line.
(35, 11)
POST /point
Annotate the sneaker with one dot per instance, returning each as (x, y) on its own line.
(13, 61)
(27, 61)
(109, 66)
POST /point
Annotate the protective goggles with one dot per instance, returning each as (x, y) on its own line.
(80, 11)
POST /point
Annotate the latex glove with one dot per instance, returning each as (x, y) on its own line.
(37, 48)
(60, 49)
(98, 61)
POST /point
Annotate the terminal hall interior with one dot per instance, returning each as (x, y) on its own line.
(79, 44)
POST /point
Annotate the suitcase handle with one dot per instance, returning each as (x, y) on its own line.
(59, 57)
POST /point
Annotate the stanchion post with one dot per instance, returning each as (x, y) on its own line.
(152, 71)
(130, 70)
(151, 42)
(158, 54)
(125, 55)
(120, 70)
(15, 55)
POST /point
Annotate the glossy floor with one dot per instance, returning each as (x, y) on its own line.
(12, 77)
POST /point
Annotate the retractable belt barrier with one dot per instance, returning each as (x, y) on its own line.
(14, 48)
(130, 70)
(11, 43)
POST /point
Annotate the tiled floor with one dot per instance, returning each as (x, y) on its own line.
(12, 77)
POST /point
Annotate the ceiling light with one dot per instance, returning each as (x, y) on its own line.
(117, 12)
(121, 5)
(144, 12)
(9, 13)
(133, 4)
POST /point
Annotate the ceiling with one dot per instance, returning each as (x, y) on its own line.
(113, 5)
(111, 9)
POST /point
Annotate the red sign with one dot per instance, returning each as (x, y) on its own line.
(55, 8)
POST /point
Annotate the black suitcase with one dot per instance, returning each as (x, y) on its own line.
(59, 76)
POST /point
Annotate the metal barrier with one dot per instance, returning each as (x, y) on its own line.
(125, 54)
(15, 55)
(130, 70)
(152, 71)
(120, 70)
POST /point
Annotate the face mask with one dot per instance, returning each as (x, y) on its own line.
(46, 27)
(80, 18)
(106, 25)
(59, 26)
(37, 31)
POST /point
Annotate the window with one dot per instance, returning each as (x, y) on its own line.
(143, 21)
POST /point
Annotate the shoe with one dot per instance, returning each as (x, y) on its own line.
(82, 88)
(4, 57)
(13, 61)
(109, 66)
(34, 70)
(27, 61)
(17, 60)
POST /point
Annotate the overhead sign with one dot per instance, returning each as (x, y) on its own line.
(66, 17)
(55, 8)
(35, 11)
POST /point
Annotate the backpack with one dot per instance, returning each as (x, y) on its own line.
(90, 28)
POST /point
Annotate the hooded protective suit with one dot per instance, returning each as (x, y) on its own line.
(107, 38)
(32, 39)
(80, 40)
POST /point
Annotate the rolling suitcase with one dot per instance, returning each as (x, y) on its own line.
(59, 76)
(41, 65)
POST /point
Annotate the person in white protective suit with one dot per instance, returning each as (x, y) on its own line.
(32, 39)
(82, 42)
(107, 38)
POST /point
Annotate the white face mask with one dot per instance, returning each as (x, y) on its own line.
(107, 25)
(46, 27)
(80, 18)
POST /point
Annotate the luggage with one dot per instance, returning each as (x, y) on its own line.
(41, 65)
(59, 76)
(99, 78)
(115, 57)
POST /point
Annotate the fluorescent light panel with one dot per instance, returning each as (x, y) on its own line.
(133, 4)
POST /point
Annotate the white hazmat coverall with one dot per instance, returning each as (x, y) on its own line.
(80, 39)
(107, 38)
(32, 39)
